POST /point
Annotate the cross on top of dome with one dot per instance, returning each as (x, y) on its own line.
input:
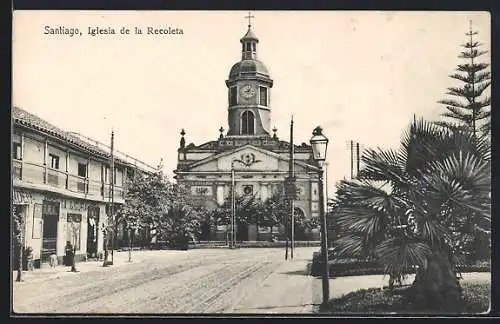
(249, 17)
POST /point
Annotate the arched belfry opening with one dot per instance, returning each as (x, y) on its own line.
(247, 123)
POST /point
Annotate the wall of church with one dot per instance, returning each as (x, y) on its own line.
(196, 156)
(209, 166)
(213, 192)
(297, 156)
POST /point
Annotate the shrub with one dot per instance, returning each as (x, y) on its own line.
(371, 300)
(281, 244)
(476, 296)
(356, 267)
(374, 300)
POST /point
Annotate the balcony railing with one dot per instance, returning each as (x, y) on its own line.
(56, 178)
(35, 174)
(118, 191)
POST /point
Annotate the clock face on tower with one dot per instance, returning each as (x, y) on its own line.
(247, 91)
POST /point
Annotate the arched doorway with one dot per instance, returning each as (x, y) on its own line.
(299, 231)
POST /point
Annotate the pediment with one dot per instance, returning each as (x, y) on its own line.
(248, 158)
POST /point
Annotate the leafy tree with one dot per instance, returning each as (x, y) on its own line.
(470, 109)
(147, 200)
(304, 225)
(414, 207)
(183, 219)
(276, 209)
(18, 223)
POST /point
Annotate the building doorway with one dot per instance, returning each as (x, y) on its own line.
(92, 230)
(50, 218)
(299, 232)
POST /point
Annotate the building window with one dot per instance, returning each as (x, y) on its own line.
(74, 229)
(249, 47)
(247, 123)
(263, 96)
(54, 161)
(16, 151)
(82, 170)
(248, 190)
(254, 45)
(105, 174)
(232, 96)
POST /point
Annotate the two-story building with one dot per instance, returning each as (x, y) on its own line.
(62, 186)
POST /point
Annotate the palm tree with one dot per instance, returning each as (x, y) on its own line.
(417, 206)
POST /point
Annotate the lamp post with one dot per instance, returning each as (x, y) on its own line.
(233, 208)
(319, 145)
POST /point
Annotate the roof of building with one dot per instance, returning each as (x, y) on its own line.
(274, 145)
(249, 35)
(248, 66)
(29, 120)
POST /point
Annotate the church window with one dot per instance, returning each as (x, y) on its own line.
(232, 96)
(263, 96)
(249, 47)
(247, 123)
(254, 47)
(248, 190)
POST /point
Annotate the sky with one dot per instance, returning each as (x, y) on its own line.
(360, 75)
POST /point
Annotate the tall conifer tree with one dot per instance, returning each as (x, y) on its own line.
(469, 107)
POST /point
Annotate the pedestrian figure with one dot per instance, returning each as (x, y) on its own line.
(68, 257)
(29, 258)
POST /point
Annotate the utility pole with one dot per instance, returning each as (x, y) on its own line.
(357, 159)
(110, 227)
(292, 190)
(352, 159)
(232, 244)
(113, 232)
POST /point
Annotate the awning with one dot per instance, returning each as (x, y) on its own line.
(21, 197)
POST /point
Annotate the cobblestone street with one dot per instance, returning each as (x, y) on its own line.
(242, 281)
(195, 281)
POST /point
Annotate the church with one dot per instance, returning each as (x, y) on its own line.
(250, 153)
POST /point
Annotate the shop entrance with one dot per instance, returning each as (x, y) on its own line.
(92, 230)
(50, 217)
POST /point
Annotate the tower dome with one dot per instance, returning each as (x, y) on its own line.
(247, 68)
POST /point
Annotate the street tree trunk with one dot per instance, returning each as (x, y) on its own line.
(130, 246)
(19, 276)
(436, 286)
(18, 241)
(73, 262)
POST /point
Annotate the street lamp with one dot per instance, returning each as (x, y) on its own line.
(319, 145)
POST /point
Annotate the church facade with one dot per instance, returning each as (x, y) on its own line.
(257, 158)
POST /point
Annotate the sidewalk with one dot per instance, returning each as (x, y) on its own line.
(288, 290)
(119, 259)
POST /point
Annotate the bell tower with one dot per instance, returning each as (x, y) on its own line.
(249, 91)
